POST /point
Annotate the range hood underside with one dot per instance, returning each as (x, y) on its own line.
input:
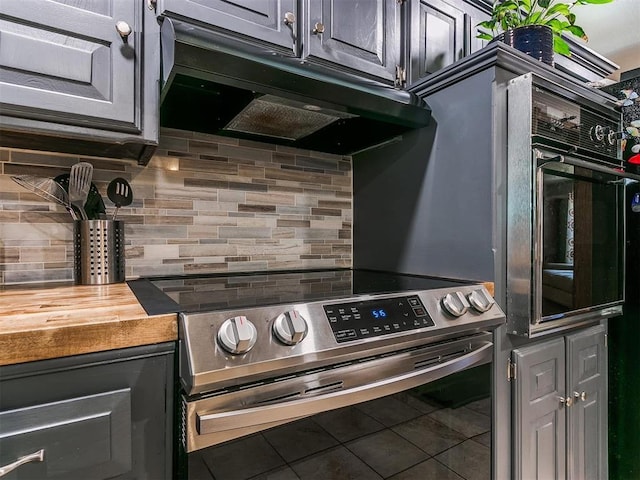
(207, 87)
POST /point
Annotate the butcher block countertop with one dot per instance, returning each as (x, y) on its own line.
(38, 323)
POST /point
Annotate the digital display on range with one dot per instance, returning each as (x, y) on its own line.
(372, 318)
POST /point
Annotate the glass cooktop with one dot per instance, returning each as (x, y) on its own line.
(201, 293)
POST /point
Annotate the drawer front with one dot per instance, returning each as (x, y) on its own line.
(83, 438)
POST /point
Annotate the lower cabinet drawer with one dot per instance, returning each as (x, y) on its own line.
(85, 437)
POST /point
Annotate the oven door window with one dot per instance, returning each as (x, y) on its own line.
(581, 227)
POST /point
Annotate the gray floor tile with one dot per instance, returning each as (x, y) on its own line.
(429, 470)
(335, 464)
(420, 403)
(387, 452)
(429, 435)
(470, 460)
(468, 422)
(284, 473)
(230, 460)
(484, 439)
(299, 439)
(347, 424)
(389, 410)
(482, 406)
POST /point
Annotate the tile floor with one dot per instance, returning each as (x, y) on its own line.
(401, 437)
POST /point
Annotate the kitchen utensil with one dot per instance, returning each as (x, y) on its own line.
(94, 206)
(46, 188)
(79, 186)
(120, 193)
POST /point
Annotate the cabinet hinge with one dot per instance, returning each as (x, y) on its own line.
(511, 370)
(151, 4)
(401, 76)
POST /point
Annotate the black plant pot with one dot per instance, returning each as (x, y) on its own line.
(534, 40)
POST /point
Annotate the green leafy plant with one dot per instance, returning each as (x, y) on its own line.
(510, 14)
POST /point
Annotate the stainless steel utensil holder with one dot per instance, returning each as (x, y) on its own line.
(98, 251)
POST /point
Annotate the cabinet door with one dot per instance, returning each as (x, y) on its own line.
(262, 20)
(539, 417)
(437, 33)
(65, 61)
(587, 418)
(362, 36)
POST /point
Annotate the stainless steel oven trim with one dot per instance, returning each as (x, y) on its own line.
(524, 218)
(212, 420)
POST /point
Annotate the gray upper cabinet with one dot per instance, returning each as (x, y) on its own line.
(560, 408)
(267, 21)
(68, 60)
(358, 36)
(440, 32)
(74, 69)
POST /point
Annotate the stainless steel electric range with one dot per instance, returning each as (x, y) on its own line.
(258, 350)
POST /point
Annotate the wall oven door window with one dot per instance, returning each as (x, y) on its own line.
(580, 222)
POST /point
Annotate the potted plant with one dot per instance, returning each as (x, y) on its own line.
(534, 26)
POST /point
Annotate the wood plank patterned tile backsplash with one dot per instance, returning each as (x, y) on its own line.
(203, 204)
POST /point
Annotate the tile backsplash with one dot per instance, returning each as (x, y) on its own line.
(203, 204)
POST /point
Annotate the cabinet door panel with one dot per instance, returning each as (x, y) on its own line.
(587, 420)
(261, 20)
(86, 437)
(68, 62)
(437, 37)
(358, 35)
(539, 421)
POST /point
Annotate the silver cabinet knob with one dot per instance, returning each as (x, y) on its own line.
(480, 300)
(567, 401)
(289, 18)
(318, 28)
(123, 29)
(33, 457)
(237, 335)
(453, 303)
(582, 396)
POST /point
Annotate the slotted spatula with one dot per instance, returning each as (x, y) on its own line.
(79, 185)
(120, 193)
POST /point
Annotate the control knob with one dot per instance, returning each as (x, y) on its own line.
(237, 335)
(454, 304)
(480, 300)
(290, 327)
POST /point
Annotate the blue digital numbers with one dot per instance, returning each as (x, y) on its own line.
(380, 313)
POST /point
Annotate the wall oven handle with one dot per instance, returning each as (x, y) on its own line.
(207, 423)
(576, 162)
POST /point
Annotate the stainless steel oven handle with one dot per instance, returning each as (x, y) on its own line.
(583, 164)
(207, 423)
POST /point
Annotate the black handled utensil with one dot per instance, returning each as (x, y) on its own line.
(93, 207)
(120, 193)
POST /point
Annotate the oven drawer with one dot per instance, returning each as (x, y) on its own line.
(85, 437)
(253, 408)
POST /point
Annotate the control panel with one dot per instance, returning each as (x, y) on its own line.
(374, 318)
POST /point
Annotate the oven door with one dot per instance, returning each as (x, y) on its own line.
(423, 411)
(579, 240)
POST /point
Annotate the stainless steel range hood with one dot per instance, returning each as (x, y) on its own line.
(214, 84)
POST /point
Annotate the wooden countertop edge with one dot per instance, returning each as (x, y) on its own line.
(490, 286)
(45, 323)
(63, 341)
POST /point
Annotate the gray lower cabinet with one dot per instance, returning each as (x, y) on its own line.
(77, 70)
(96, 416)
(560, 408)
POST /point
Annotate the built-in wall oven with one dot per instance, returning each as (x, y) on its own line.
(565, 210)
(331, 374)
